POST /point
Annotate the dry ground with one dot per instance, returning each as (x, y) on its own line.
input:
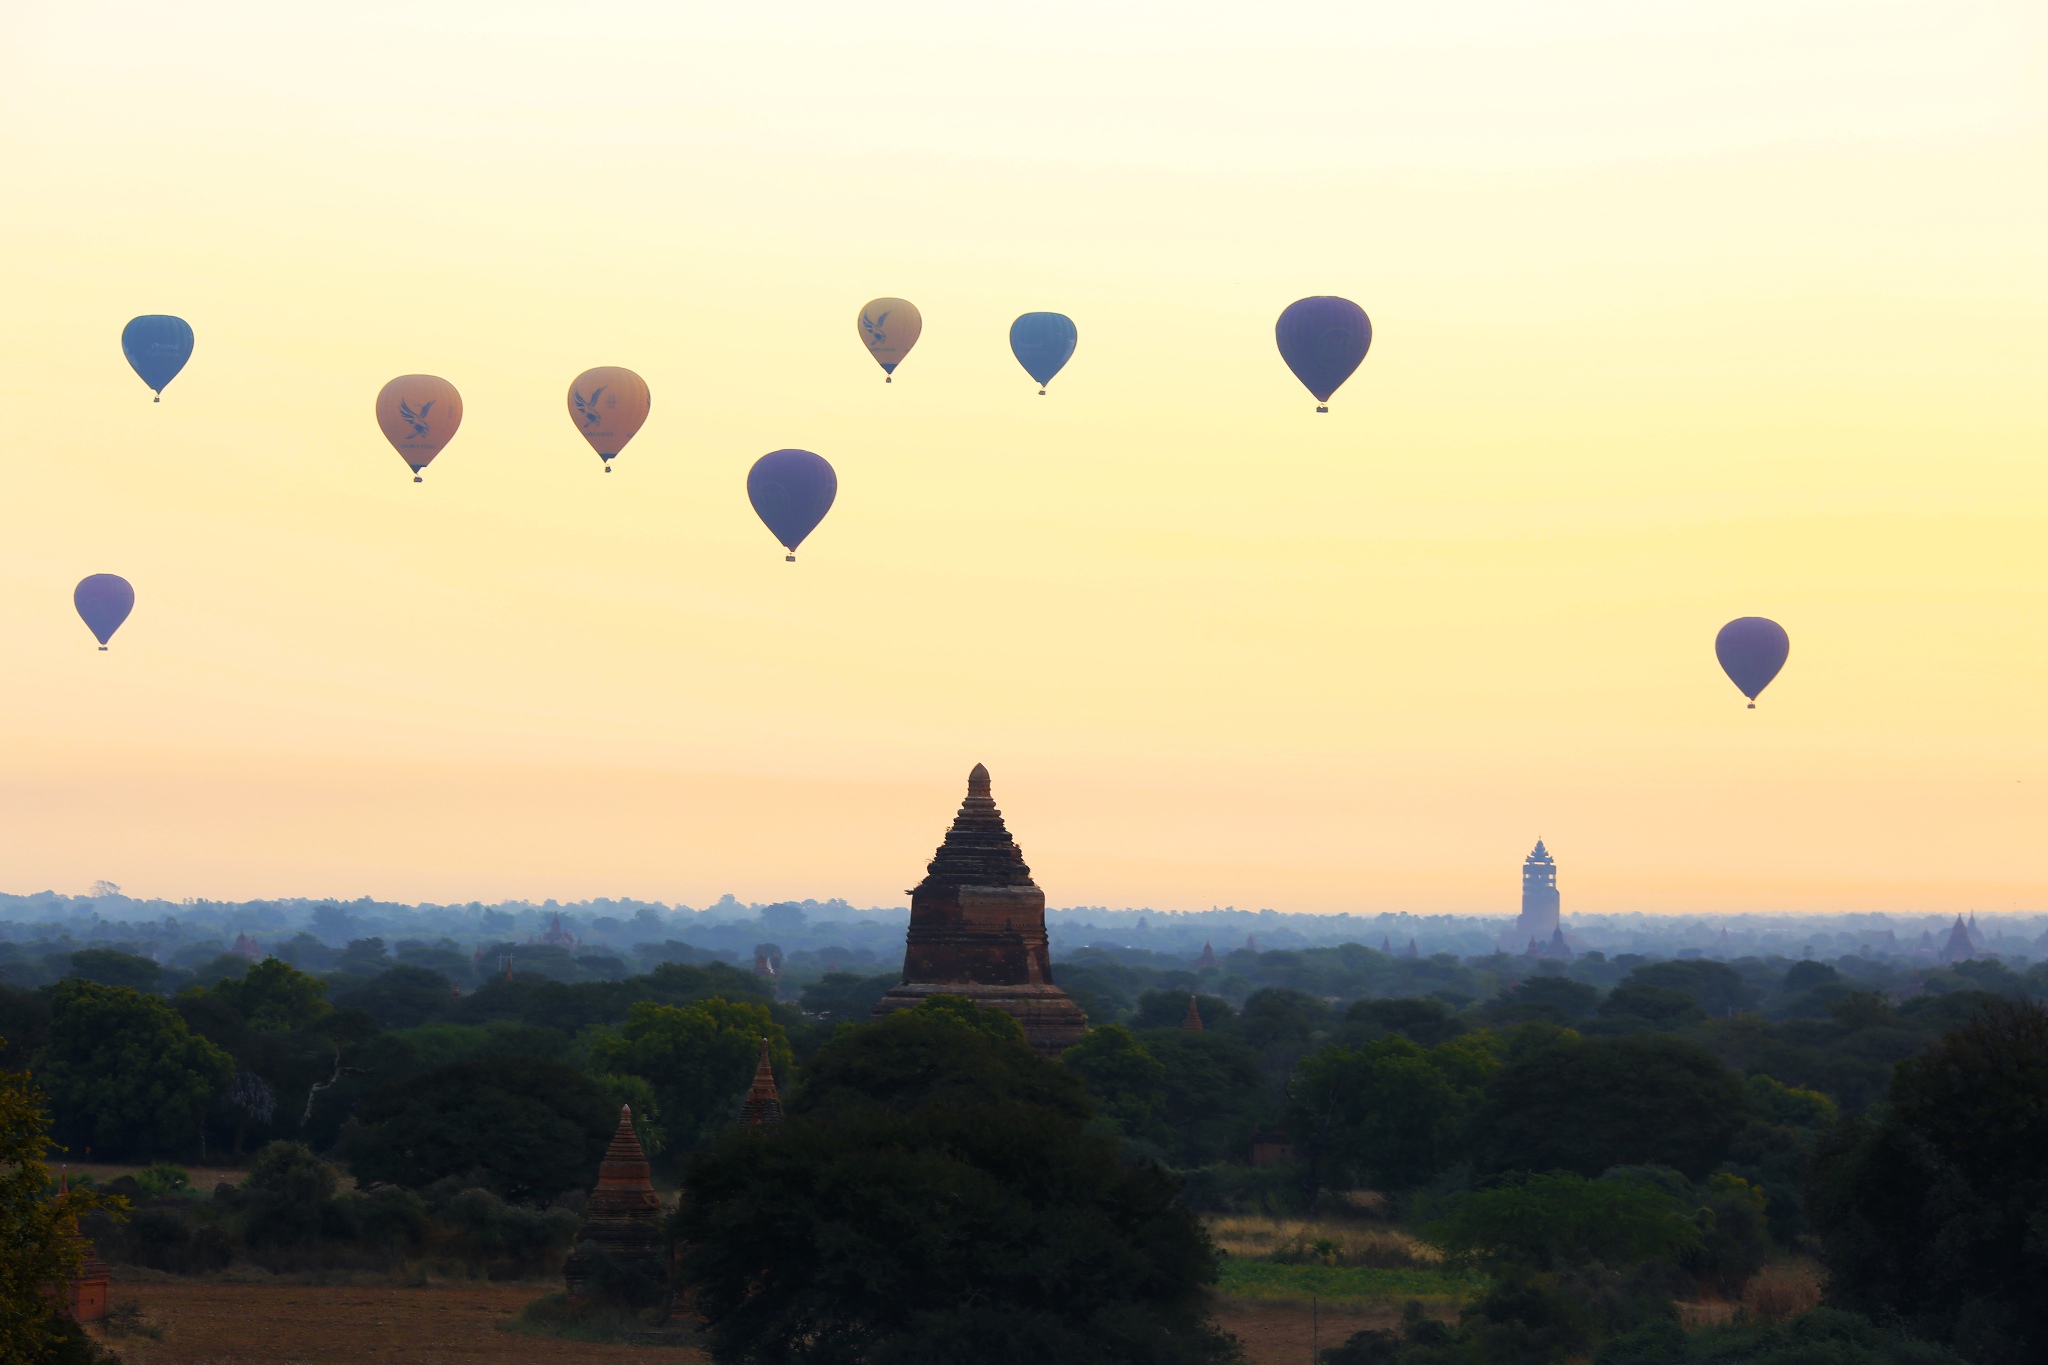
(207, 1323)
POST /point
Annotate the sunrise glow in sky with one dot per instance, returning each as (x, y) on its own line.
(1683, 312)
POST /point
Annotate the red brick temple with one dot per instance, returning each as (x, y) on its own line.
(977, 928)
(763, 1104)
(623, 1218)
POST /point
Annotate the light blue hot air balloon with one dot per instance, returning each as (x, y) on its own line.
(1043, 343)
(157, 346)
(103, 601)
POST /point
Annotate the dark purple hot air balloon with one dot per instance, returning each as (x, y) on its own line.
(1323, 339)
(791, 490)
(1752, 649)
(103, 601)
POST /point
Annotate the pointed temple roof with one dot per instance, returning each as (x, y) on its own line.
(1208, 957)
(1193, 1023)
(978, 850)
(1539, 854)
(1958, 947)
(763, 1104)
(625, 1187)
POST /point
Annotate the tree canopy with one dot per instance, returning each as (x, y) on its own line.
(125, 1074)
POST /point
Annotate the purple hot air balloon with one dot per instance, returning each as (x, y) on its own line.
(103, 601)
(1752, 649)
(791, 490)
(1323, 339)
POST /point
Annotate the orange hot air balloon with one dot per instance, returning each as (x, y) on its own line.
(889, 328)
(420, 413)
(608, 405)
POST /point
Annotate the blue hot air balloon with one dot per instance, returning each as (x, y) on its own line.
(1043, 343)
(1752, 650)
(1323, 339)
(103, 601)
(157, 346)
(791, 490)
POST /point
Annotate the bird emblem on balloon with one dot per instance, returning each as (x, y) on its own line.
(886, 343)
(613, 412)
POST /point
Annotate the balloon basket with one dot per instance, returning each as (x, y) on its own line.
(789, 559)
(1322, 407)
(158, 399)
(1041, 393)
(417, 479)
(888, 379)
(1752, 706)
(103, 649)
(607, 469)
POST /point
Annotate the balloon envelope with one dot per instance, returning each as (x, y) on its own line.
(608, 405)
(889, 328)
(420, 414)
(1752, 649)
(791, 490)
(1323, 339)
(103, 601)
(157, 346)
(1043, 343)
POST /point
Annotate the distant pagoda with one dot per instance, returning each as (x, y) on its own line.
(1539, 918)
(622, 1221)
(977, 928)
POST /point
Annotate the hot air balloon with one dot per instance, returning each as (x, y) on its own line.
(1043, 343)
(157, 346)
(791, 490)
(1752, 649)
(103, 601)
(420, 413)
(889, 328)
(607, 404)
(1323, 339)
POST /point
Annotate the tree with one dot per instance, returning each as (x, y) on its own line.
(274, 996)
(402, 996)
(1425, 1020)
(124, 1073)
(956, 1211)
(1278, 1016)
(528, 1128)
(1543, 1221)
(845, 997)
(1387, 1112)
(1586, 1104)
(1215, 1092)
(1933, 1212)
(39, 1243)
(1127, 1082)
(111, 967)
(1553, 999)
(699, 1058)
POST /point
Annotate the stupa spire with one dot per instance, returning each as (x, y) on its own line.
(623, 1216)
(763, 1104)
(1193, 1023)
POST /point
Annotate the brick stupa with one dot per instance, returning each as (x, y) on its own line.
(623, 1218)
(977, 928)
(763, 1105)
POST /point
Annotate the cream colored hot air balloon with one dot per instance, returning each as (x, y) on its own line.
(889, 328)
(420, 413)
(608, 404)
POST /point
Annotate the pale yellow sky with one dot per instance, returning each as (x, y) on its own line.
(1683, 312)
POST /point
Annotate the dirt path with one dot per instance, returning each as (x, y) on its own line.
(244, 1324)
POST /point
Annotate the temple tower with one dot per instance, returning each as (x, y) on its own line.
(977, 928)
(1539, 918)
(763, 1104)
(622, 1222)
